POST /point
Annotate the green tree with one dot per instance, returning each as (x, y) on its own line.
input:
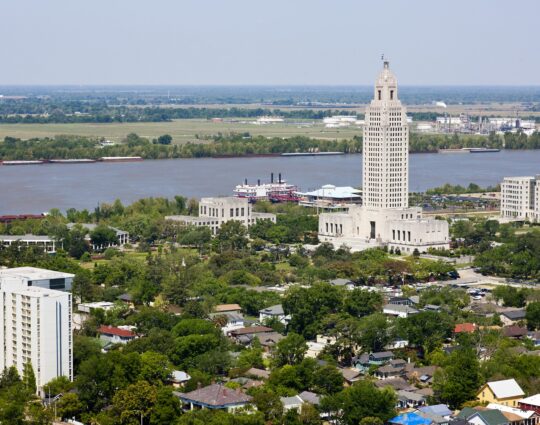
(29, 378)
(290, 350)
(532, 314)
(155, 368)
(135, 403)
(359, 401)
(69, 406)
(165, 139)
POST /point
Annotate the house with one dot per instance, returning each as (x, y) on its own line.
(514, 332)
(227, 308)
(126, 299)
(365, 361)
(409, 399)
(179, 378)
(350, 376)
(483, 416)
(269, 339)
(310, 397)
(468, 328)
(393, 369)
(122, 237)
(511, 317)
(432, 307)
(399, 310)
(401, 301)
(316, 347)
(274, 312)
(437, 409)
(46, 243)
(294, 402)
(228, 321)
(515, 415)
(396, 383)
(424, 374)
(245, 335)
(215, 396)
(396, 344)
(98, 305)
(410, 418)
(257, 373)
(116, 335)
(506, 392)
(343, 283)
(530, 403)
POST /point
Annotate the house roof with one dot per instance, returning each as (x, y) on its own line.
(382, 354)
(507, 410)
(350, 374)
(220, 308)
(488, 416)
(274, 310)
(437, 409)
(397, 383)
(410, 419)
(507, 388)
(400, 308)
(259, 373)
(514, 314)
(310, 397)
(295, 400)
(465, 328)
(215, 395)
(251, 330)
(111, 330)
(409, 395)
(341, 282)
(269, 339)
(514, 331)
(179, 376)
(533, 400)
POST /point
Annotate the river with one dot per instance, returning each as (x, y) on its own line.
(38, 188)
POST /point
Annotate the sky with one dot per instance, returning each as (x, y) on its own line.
(278, 42)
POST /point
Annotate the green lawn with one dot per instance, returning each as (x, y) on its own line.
(182, 131)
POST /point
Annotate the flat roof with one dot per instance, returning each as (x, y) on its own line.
(14, 238)
(34, 273)
(330, 191)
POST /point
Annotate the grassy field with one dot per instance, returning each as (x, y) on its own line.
(182, 131)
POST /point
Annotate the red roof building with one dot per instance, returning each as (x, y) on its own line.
(465, 328)
(116, 335)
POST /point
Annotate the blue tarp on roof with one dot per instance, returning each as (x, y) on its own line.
(410, 419)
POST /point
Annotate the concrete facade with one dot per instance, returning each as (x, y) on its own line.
(35, 277)
(213, 212)
(520, 198)
(37, 329)
(45, 242)
(385, 218)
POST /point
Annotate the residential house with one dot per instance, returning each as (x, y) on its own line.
(116, 335)
(506, 392)
(343, 283)
(274, 312)
(393, 369)
(409, 399)
(179, 378)
(514, 332)
(290, 403)
(530, 403)
(257, 373)
(468, 328)
(483, 416)
(515, 415)
(365, 361)
(399, 310)
(246, 335)
(269, 339)
(437, 409)
(228, 321)
(401, 301)
(215, 396)
(350, 375)
(512, 317)
(227, 308)
(316, 347)
(396, 383)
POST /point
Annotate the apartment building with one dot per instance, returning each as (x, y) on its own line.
(520, 198)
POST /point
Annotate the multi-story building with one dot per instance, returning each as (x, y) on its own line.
(385, 217)
(213, 212)
(37, 330)
(33, 276)
(520, 198)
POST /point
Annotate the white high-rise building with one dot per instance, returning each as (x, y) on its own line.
(386, 147)
(520, 198)
(36, 328)
(385, 218)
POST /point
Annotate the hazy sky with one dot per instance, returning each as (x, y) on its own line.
(268, 42)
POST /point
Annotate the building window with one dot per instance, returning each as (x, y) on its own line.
(232, 212)
(379, 94)
(242, 211)
(326, 227)
(391, 94)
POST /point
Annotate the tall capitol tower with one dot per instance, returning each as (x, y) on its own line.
(386, 147)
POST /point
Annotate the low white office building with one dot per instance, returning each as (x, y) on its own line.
(520, 198)
(36, 277)
(121, 235)
(213, 212)
(36, 329)
(47, 243)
